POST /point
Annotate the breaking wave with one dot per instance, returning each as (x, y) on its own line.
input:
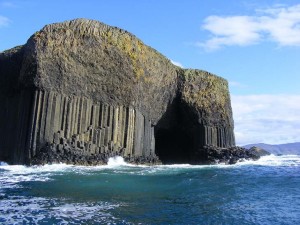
(121, 193)
(13, 174)
(118, 162)
(28, 210)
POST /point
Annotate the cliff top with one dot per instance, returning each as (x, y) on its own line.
(90, 59)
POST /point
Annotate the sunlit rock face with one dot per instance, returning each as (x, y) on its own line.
(81, 91)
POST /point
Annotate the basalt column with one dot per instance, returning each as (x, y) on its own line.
(93, 128)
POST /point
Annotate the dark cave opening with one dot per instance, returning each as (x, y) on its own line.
(173, 146)
(175, 134)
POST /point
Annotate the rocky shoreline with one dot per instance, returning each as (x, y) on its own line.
(51, 154)
(232, 155)
(208, 155)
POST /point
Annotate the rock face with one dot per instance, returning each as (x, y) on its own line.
(81, 91)
(258, 151)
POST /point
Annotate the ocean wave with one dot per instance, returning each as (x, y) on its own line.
(108, 194)
(117, 164)
(274, 160)
(3, 163)
(21, 169)
(116, 161)
(20, 209)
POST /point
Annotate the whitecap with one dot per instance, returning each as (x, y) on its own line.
(3, 163)
(21, 169)
(117, 161)
(274, 160)
(12, 175)
(20, 209)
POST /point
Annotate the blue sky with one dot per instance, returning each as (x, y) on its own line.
(254, 44)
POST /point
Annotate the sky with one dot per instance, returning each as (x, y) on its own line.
(253, 44)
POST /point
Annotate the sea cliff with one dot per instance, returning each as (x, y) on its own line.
(81, 91)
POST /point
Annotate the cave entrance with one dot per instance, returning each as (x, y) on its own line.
(172, 147)
(174, 137)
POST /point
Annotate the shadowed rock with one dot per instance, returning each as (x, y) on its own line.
(258, 151)
(81, 91)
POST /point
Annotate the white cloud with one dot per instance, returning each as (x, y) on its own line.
(4, 21)
(270, 119)
(177, 63)
(279, 24)
(230, 31)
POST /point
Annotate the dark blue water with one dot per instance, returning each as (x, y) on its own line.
(262, 192)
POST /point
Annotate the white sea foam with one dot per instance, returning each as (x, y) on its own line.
(11, 175)
(17, 173)
(273, 160)
(270, 160)
(20, 169)
(20, 209)
(117, 161)
(3, 163)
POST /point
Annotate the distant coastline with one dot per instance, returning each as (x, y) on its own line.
(284, 149)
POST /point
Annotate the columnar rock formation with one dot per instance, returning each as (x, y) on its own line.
(81, 91)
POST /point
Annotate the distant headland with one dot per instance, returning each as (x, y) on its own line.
(81, 91)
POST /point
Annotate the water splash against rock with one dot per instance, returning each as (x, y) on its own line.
(116, 161)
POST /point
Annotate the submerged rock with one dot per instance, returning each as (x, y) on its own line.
(81, 91)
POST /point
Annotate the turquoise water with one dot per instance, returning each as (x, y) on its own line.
(262, 192)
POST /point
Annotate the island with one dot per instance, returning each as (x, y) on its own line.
(81, 91)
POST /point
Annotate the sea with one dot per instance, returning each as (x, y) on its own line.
(266, 191)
